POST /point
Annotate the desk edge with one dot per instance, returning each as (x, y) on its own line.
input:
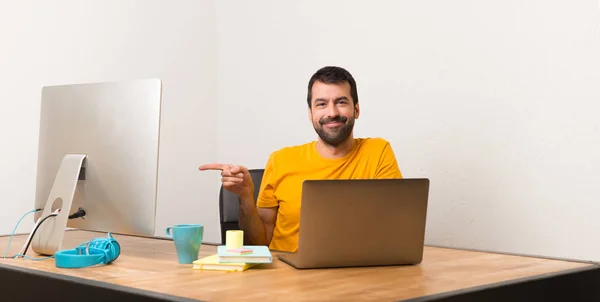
(95, 283)
(495, 285)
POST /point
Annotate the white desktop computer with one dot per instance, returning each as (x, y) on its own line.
(98, 152)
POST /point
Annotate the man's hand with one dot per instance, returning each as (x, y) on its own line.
(235, 179)
(258, 224)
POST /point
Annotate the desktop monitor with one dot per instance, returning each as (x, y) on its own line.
(98, 151)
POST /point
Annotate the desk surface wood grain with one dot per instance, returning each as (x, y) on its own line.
(151, 264)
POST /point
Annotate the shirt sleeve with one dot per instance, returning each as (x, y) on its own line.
(388, 166)
(266, 196)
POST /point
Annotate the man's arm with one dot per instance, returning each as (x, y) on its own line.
(257, 223)
(257, 217)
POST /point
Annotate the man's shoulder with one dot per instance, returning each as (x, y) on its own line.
(294, 150)
(373, 143)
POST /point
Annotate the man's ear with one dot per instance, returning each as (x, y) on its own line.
(356, 111)
(310, 114)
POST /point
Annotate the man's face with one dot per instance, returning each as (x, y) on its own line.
(332, 112)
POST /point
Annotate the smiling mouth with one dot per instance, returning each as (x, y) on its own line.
(333, 124)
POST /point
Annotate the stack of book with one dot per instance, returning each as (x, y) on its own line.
(239, 259)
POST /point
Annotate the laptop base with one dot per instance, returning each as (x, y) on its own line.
(290, 259)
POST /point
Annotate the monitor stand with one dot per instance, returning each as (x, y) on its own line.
(49, 236)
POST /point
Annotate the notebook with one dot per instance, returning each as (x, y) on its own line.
(212, 263)
(258, 254)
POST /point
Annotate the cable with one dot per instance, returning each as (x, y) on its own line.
(15, 229)
(30, 237)
(31, 258)
(36, 228)
(80, 213)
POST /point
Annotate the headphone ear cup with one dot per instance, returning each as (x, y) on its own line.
(96, 251)
(117, 246)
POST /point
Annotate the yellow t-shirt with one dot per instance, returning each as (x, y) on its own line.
(287, 168)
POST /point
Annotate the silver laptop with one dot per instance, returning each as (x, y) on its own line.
(365, 222)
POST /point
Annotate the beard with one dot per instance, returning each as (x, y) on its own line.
(334, 136)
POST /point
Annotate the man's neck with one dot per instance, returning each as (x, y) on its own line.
(333, 152)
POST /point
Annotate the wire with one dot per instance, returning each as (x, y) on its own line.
(80, 213)
(15, 229)
(36, 228)
(30, 237)
(31, 258)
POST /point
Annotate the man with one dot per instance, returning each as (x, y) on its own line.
(332, 108)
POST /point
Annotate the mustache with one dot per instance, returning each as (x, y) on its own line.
(335, 119)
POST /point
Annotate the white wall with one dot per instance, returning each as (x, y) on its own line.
(494, 101)
(62, 42)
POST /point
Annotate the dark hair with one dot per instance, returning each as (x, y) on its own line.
(332, 75)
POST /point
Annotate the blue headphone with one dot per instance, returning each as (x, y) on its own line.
(93, 252)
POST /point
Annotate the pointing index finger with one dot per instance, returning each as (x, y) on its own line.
(212, 167)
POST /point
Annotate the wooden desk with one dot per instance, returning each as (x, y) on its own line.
(150, 266)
